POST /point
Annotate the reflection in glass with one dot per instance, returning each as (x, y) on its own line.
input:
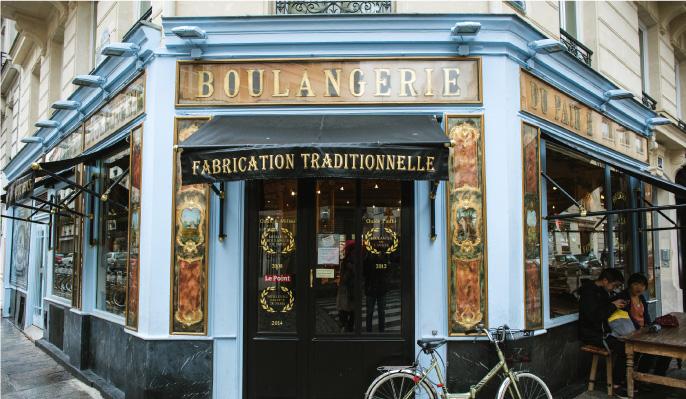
(577, 249)
(381, 255)
(276, 256)
(337, 252)
(621, 234)
(114, 225)
(648, 195)
(67, 246)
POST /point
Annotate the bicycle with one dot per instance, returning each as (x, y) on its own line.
(413, 382)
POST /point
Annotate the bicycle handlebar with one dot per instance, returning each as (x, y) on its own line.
(492, 332)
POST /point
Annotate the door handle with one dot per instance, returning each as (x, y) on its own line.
(311, 279)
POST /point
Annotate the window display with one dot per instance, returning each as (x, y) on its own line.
(577, 248)
(580, 247)
(67, 246)
(114, 225)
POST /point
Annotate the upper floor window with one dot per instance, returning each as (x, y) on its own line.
(643, 51)
(333, 7)
(568, 18)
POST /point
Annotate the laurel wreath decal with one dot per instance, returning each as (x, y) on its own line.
(369, 235)
(268, 308)
(264, 240)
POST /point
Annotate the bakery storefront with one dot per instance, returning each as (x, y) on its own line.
(329, 207)
(316, 194)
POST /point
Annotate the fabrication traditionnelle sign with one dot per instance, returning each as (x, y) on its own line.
(411, 164)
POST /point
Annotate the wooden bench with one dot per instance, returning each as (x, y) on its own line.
(597, 352)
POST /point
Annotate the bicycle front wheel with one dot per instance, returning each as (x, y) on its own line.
(528, 386)
(399, 385)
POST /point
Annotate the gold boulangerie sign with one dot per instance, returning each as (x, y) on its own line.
(330, 81)
(543, 100)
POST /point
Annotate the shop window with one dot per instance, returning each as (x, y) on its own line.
(114, 224)
(21, 243)
(277, 273)
(621, 233)
(577, 248)
(649, 237)
(381, 256)
(67, 246)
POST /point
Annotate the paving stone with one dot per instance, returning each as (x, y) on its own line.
(29, 373)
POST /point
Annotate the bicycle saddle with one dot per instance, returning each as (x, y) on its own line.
(430, 344)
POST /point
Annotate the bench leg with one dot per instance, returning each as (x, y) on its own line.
(594, 370)
(608, 371)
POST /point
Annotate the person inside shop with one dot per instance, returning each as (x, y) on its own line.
(637, 308)
(375, 288)
(345, 300)
(595, 307)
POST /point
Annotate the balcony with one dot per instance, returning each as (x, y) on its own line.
(332, 7)
(576, 48)
(648, 101)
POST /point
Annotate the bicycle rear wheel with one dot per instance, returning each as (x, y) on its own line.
(399, 385)
(529, 386)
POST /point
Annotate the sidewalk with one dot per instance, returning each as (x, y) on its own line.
(657, 392)
(29, 373)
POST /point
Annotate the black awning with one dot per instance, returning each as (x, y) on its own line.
(636, 172)
(403, 147)
(23, 186)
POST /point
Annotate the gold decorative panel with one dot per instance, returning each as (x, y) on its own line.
(133, 272)
(189, 244)
(466, 230)
(531, 170)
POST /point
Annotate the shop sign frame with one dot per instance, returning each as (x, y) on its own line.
(105, 134)
(298, 100)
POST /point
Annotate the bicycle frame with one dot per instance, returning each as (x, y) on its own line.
(474, 389)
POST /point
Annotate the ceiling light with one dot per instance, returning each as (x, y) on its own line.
(189, 32)
(66, 105)
(88, 80)
(46, 123)
(342, 188)
(376, 186)
(120, 49)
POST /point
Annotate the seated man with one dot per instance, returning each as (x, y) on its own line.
(595, 307)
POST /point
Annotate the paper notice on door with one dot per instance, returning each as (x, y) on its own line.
(328, 250)
(325, 273)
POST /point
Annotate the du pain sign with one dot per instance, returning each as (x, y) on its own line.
(543, 100)
(329, 81)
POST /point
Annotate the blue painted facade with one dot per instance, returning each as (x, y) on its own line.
(502, 44)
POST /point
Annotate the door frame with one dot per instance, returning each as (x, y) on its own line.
(306, 228)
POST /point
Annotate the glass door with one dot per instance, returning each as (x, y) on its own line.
(361, 293)
(328, 285)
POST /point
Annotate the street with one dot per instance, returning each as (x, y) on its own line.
(29, 373)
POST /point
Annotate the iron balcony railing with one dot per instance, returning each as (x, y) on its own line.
(576, 48)
(333, 7)
(648, 101)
